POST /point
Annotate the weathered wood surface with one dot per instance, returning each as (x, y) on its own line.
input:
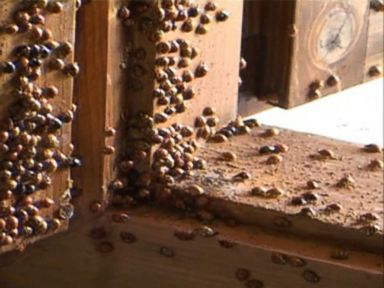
(219, 49)
(294, 45)
(92, 94)
(232, 198)
(217, 89)
(252, 51)
(375, 44)
(74, 259)
(277, 48)
(78, 260)
(62, 26)
(250, 45)
(307, 64)
(111, 91)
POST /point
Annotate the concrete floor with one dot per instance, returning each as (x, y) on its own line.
(354, 115)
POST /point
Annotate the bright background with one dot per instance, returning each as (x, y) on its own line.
(354, 115)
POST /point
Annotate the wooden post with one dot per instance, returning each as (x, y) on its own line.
(375, 44)
(122, 61)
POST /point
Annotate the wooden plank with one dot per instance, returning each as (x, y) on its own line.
(277, 31)
(92, 95)
(295, 53)
(117, 90)
(125, 82)
(218, 88)
(338, 205)
(375, 46)
(62, 27)
(251, 51)
(75, 259)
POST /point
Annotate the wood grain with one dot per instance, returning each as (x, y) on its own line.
(283, 42)
(92, 95)
(63, 29)
(375, 43)
(306, 69)
(232, 199)
(72, 259)
(277, 51)
(106, 91)
(251, 51)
